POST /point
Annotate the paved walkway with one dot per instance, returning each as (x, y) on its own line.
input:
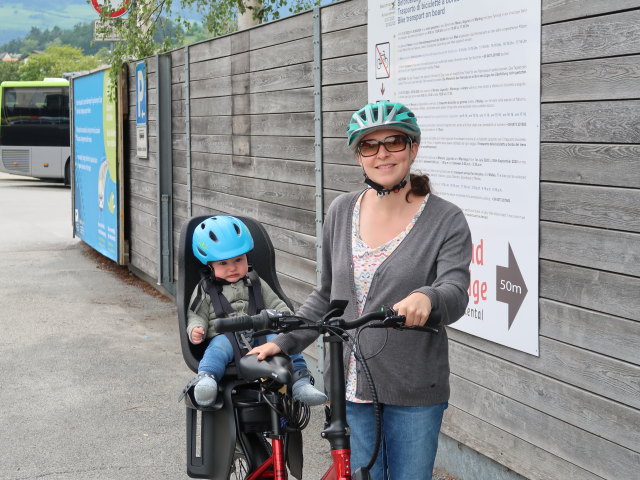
(90, 360)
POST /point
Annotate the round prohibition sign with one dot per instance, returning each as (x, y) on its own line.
(116, 8)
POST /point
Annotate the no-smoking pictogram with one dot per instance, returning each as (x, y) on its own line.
(383, 60)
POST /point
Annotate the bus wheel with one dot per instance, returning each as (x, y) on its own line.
(67, 174)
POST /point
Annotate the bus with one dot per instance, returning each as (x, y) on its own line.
(34, 129)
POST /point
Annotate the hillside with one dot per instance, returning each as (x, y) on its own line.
(17, 17)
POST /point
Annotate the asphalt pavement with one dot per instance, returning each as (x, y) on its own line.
(90, 360)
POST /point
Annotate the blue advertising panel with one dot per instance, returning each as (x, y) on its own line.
(141, 93)
(95, 164)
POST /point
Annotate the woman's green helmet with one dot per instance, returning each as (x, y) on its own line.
(381, 116)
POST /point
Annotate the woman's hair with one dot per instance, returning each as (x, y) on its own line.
(420, 185)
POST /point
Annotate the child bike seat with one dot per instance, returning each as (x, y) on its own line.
(262, 258)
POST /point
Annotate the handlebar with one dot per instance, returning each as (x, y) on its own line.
(271, 320)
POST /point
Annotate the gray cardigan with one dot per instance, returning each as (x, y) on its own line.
(413, 367)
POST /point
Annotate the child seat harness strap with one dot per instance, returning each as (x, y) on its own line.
(222, 307)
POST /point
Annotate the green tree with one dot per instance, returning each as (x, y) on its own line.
(56, 60)
(9, 71)
(143, 31)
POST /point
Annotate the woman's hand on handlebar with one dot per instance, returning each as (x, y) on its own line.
(265, 350)
(416, 308)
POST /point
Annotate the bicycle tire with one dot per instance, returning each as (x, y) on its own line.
(240, 467)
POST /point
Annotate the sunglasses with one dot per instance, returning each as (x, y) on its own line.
(393, 143)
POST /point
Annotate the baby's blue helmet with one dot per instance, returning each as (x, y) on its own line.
(221, 237)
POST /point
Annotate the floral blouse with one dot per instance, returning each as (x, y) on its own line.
(366, 260)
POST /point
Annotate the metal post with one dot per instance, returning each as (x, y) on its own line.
(317, 102)
(165, 171)
(187, 113)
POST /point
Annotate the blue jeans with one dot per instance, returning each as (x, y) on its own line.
(219, 354)
(409, 440)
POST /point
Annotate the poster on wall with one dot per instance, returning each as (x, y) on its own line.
(470, 71)
(95, 164)
(142, 142)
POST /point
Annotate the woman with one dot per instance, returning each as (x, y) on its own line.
(397, 244)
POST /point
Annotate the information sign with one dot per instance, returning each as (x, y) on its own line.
(471, 72)
(141, 110)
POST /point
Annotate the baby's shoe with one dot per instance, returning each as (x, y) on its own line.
(206, 390)
(304, 391)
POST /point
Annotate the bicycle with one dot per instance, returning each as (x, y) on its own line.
(336, 429)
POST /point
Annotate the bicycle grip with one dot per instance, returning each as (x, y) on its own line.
(234, 324)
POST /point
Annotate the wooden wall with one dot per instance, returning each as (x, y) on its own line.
(573, 413)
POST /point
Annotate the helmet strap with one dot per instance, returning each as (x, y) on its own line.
(382, 191)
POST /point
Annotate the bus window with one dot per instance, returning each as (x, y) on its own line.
(37, 116)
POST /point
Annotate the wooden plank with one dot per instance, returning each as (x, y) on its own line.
(211, 143)
(240, 42)
(143, 189)
(292, 242)
(210, 87)
(296, 267)
(180, 193)
(218, 47)
(282, 54)
(280, 170)
(142, 263)
(591, 452)
(593, 289)
(343, 15)
(606, 207)
(275, 192)
(286, 101)
(240, 63)
(282, 216)
(349, 97)
(589, 412)
(214, 68)
(291, 148)
(605, 36)
(613, 251)
(612, 336)
(177, 57)
(143, 204)
(334, 124)
(595, 373)
(212, 125)
(211, 106)
(179, 158)
(559, 10)
(352, 41)
(529, 460)
(289, 124)
(279, 31)
(177, 92)
(179, 175)
(335, 150)
(296, 290)
(345, 178)
(344, 70)
(178, 125)
(607, 78)
(616, 165)
(282, 78)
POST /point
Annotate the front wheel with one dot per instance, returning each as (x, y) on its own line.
(240, 465)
